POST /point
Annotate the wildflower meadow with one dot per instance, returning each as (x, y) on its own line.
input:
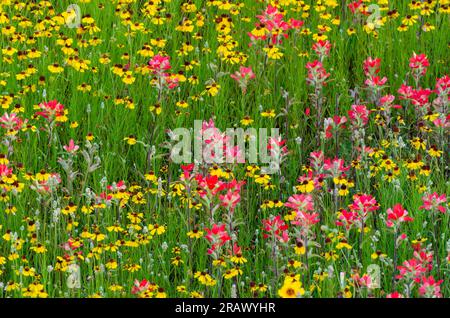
(224, 149)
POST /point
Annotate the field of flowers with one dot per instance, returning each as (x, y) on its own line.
(92, 203)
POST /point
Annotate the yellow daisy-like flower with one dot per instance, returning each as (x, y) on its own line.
(291, 289)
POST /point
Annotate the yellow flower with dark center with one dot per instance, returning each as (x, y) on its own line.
(193, 80)
(116, 288)
(388, 164)
(10, 210)
(344, 244)
(250, 170)
(259, 31)
(402, 28)
(262, 288)
(185, 26)
(336, 20)
(320, 277)
(8, 30)
(159, 42)
(413, 164)
(219, 262)
(270, 113)
(28, 271)
(412, 176)
(39, 249)
(135, 217)
(320, 37)
(138, 198)
(418, 143)
(111, 264)
(238, 259)
(204, 278)
(12, 286)
(132, 267)
(343, 190)
(331, 256)
(273, 52)
(84, 87)
(213, 89)
(427, 27)
(294, 263)
(351, 31)
(425, 170)
(13, 257)
(34, 290)
(267, 204)
(181, 289)
(299, 248)
(347, 293)
(150, 176)
(90, 137)
(157, 109)
(389, 177)
(426, 10)
(182, 104)
(246, 121)
(98, 236)
(42, 175)
(230, 273)
(377, 254)
(161, 293)
(176, 250)
(74, 125)
(128, 78)
(70, 208)
(176, 260)
(156, 229)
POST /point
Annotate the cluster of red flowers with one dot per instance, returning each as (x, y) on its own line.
(159, 67)
(272, 21)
